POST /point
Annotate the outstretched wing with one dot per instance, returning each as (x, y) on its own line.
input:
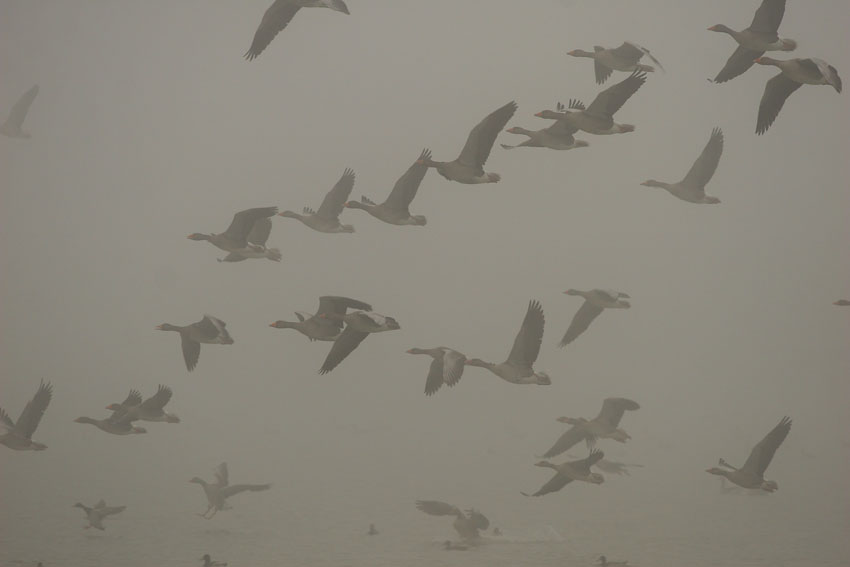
(613, 98)
(111, 510)
(527, 342)
(243, 222)
(481, 138)
(260, 231)
(478, 519)
(344, 345)
(20, 109)
(338, 305)
(768, 17)
(435, 376)
(158, 400)
(584, 465)
(581, 321)
(237, 488)
(555, 484)
(776, 91)
(334, 201)
(221, 475)
(437, 508)
(706, 164)
(191, 351)
(569, 439)
(737, 64)
(601, 71)
(613, 409)
(31, 416)
(407, 185)
(763, 452)
(274, 20)
(453, 365)
(6, 421)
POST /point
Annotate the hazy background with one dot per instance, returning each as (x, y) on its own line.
(149, 126)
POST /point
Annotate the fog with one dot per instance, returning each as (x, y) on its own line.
(149, 126)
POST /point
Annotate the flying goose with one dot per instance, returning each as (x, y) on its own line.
(326, 219)
(279, 14)
(842, 302)
(358, 326)
(558, 136)
(18, 435)
(219, 491)
(152, 409)
(12, 126)
(318, 328)
(692, 187)
(623, 58)
(598, 118)
(469, 166)
(245, 237)
(761, 36)
(751, 475)
(795, 73)
(119, 423)
(518, 368)
(567, 472)
(446, 368)
(208, 330)
(396, 209)
(603, 426)
(208, 562)
(96, 514)
(603, 562)
(595, 302)
(467, 524)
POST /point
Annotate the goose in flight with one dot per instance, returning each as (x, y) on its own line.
(446, 368)
(751, 475)
(795, 73)
(396, 209)
(17, 435)
(245, 237)
(14, 122)
(842, 302)
(151, 409)
(219, 491)
(595, 302)
(469, 166)
(119, 423)
(208, 562)
(467, 524)
(208, 330)
(326, 219)
(598, 118)
(278, 16)
(692, 187)
(558, 136)
(569, 471)
(358, 326)
(318, 328)
(603, 426)
(752, 42)
(624, 58)
(98, 512)
(518, 368)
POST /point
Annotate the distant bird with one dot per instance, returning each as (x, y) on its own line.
(208, 330)
(603, 561)
(567, 472)
(100, 511)
(692, 187)
(751, 475)
(396, 209)
(558, 136)
(761, 36)
(595, 302)
(795, 73)
(117, 424)
(18, 435)
(518, 368)
(318, 328)
(467, 524)
(358, 326)
(245, 237)
(612, 467)
(372, 530)
(326, 219)
(603, 426)
(279, 14)
(446, 368)
(14, 122)
(208, 562)
(598, 118)
(449, 545)
(497, 532)
(219, 491)
(469, 166)
(624, 58)
(152, 409)
(842, 302)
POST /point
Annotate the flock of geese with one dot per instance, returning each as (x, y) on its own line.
(346, 322)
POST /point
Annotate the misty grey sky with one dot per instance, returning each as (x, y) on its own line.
(149, 126)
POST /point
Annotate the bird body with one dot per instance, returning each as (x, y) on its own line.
(604, 426)
(18, 435)
(98, 512)
(692, 187)
(219, 491)
(319, 328)
(245, 237)
(559, 136)
(569, 471)
(467, 524)
(208, 330)
(626, 57)
(326, 219)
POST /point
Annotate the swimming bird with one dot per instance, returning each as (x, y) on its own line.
(12, 126)
(208, 562)
(558, 136)
(603, 426)
(751, 475)
(318, 328)
(358, 326)
(626, 57)
(467, 524)
(752, 42)
(569, 471)
(396, 209)
(219, 491)
(17, 435)
(446, 368)
(279, 14)
(96, 514)
(208, 330)
(595, 302)
(795, 73)
(245, 237)
(469, 166)
(326, 219)
(518, 368)
(692, 187)
(152, 409)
